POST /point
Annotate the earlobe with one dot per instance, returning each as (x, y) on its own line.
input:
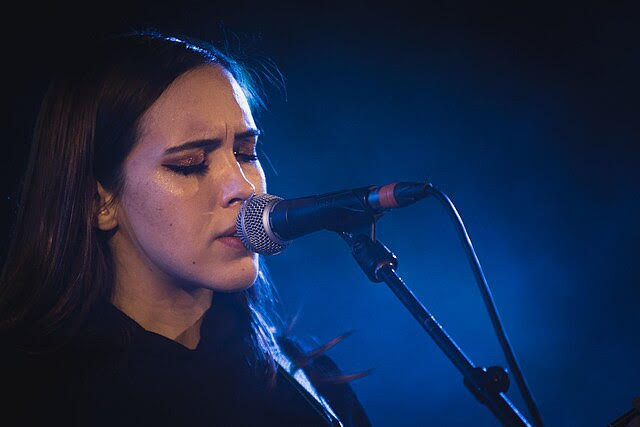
(105, 216)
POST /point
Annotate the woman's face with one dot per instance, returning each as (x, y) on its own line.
(185, 180)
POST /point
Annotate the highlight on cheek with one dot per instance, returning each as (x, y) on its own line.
(167, 184)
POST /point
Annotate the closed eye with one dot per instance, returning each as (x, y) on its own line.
(193, 163)
(197, 169)
(245, 157)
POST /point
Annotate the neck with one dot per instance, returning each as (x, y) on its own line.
(160, 305)
(176, 315)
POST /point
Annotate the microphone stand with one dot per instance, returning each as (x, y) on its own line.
(488, 385)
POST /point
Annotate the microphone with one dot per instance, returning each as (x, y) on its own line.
(266, 223)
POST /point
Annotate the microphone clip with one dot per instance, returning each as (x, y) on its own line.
(368, 252)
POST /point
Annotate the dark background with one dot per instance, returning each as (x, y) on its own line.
(526, 115)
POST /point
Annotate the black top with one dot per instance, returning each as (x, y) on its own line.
(118, 374)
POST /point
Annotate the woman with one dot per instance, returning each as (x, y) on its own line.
(125, 298)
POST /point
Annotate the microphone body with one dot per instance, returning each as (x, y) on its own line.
(267, 223)
(293, 218)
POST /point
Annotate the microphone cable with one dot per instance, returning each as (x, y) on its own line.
(489, 303)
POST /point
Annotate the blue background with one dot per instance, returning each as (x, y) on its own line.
(527, 116)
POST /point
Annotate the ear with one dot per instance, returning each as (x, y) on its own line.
(106, 218)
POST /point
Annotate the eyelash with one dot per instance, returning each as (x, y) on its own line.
(248, 158)
(199, 169)
(202, 168)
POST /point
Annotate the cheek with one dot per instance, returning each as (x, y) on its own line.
(161, 213)
(172, 222)
(258, 179)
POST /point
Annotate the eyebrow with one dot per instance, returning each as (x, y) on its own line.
(200, 143)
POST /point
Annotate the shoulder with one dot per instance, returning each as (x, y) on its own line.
(47, 377)
(35, 385)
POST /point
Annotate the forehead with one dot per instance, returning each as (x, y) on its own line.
(203, 102)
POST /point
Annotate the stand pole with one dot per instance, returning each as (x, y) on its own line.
(487, 385)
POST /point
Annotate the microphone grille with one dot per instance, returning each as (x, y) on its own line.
(252, 225)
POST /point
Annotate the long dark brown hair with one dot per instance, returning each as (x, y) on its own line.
(58, 267)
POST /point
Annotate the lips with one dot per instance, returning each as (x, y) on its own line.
(230, 239)
(231, 232)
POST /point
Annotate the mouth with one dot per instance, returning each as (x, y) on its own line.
(231, 232)
(231, 239)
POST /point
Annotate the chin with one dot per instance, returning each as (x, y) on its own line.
(236, 279)
(229, 288)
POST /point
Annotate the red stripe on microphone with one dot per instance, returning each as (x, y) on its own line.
(385, 195)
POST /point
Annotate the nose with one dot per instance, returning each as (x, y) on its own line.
(236, 187)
